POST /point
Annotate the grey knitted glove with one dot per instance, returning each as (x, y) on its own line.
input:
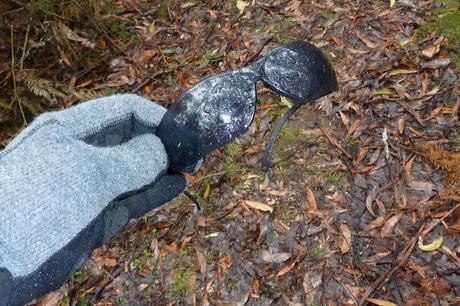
(69, 182)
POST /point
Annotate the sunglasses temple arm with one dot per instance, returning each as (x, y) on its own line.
(193, 198)
(266, 159)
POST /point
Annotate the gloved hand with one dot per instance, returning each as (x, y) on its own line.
(69, 182)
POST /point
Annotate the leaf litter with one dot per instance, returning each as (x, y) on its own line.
(361, 176)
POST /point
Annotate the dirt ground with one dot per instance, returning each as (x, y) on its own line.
(365, 183)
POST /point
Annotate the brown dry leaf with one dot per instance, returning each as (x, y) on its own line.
(387, 228)
(401, 125)
(311, 281)
(430, 51)
(366, 40)
(274, 257)
(346, 233)
(312, 206)
(424, 186)
(377, 222)
(255, 286)
(110, 262)
(201, 261)
(408, 168)
(71, 35)
(354, 126)
(437, 63)
(381, 302)
(53, 298)
(370, 199)
(259, 206)
(285, 270)
(288, 302)
(294, 7)
(344, 118)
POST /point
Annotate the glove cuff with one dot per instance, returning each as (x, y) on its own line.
(6, 285)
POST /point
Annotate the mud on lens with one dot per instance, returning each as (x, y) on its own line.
(209, 115)
(220, 108)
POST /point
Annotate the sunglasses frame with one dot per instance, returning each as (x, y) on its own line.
(221, 108)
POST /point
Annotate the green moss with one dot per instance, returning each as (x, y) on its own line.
(180, 286)
(351, 142)
(317, 250)
(445, 21)
(328, 15)
(210, 256)
(232, 150)
(40, 7)
(334, 178)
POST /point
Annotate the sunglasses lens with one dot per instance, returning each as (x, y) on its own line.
(211, 114)
(300, 71)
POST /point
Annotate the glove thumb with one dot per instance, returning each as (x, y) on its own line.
(134, 163)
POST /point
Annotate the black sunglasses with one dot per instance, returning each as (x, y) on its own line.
(220, 108)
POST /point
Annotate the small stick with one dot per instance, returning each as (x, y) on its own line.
(335, 143)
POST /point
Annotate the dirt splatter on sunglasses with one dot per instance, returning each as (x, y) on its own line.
(220, 108)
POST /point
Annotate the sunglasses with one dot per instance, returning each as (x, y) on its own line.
(221, 108)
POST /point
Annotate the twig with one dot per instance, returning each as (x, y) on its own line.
(12, 11)
(23, 56)
(149, 79)
(15, 91)
(408, 251)
(335, 143)
(216, 174)
(409, 109)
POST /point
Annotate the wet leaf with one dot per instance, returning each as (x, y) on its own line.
(381, 302)
(387, 228)
(259, 206)
(241, 5)
(436, 244)
(274, 257)
(346, 233)
(311, 282)
(437, 63)
(383, 92)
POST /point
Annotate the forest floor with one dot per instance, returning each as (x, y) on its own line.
(363, 204)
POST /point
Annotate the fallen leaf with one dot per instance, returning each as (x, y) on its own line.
(71, 35)
(274, 257)
(431, 51)
(207, 191)
(426, 187)
(201, 261)
(401, 71)
(437, 63)
(110, 262)
(241, 5)
(387, 228)
(370, 199)
(392, 3)
(436, 244)
(381, 302)
(312, 207)
(382, 92)
(53, 298)
(346, 233)
(285, 270)
(259, 205)
(366, 40)
(311, 281)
